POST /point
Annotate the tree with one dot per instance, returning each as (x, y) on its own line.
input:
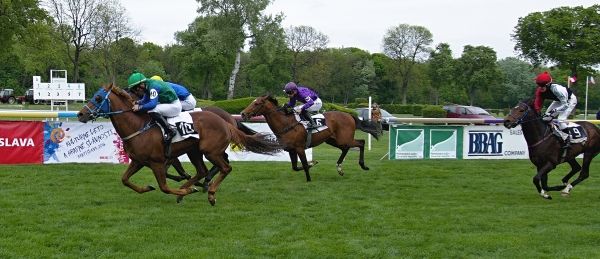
(407, 45)
(110, 25)
(15, 17)
(518, 84)
(304, 39)
(76, 20)
(441, 70)
(566, 36)
(237, 20)
(476, 70)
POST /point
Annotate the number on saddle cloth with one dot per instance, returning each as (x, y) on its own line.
(576, 131)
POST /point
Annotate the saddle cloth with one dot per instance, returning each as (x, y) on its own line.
(319, 121)
(184, 125)
(576, 131)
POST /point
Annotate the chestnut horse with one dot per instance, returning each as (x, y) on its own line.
(143, 141)
(545, 148)
(293, 136)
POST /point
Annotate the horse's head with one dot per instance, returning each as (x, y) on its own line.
(100, 103)
(260, 106)
(518, 115)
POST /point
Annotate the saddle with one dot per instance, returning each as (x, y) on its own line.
(572, 134)
(319, 122)
(184, 125)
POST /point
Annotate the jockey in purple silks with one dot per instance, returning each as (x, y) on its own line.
(309, 98)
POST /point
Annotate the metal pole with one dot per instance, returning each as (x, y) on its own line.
(587, 83)
(369, 135)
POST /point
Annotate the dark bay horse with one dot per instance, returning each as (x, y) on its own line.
(143, 141)
(545, 148)
(292, 134)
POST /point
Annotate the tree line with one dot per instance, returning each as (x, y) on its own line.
(233, 49)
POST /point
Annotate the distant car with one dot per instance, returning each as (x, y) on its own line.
(363, 114)
(466, 112)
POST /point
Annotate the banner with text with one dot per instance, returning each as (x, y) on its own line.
(494, 142)
(75, 142)
(21, 142)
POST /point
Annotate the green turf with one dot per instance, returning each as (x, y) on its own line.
(415, 209)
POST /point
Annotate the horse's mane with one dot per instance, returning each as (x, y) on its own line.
(272, 100)
(120, 92)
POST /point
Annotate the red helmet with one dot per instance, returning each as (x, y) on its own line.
(543, 79)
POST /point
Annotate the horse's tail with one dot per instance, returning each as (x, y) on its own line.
(368, 127)
(248, 131)
(261, 143)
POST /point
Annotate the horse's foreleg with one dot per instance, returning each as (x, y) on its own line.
(540, 180)
(214, 185)
(305, 165)
(133, 168)
(180, 170)
(565, 187)
(197, 160)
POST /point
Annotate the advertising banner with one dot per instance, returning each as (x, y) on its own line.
(75, 142)
(21, 142)
(494, 142)
(418, 142)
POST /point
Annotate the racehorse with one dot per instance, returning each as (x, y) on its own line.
(143, 141)
(293, 136)
(545, 148)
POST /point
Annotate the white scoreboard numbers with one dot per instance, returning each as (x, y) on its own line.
(58, 88)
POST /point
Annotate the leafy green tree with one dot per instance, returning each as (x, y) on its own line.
(238, 21)
(15, 17)
(441, 72)
(304, 39)
(385, 86)
(476, 70)
(566, 36)
(519, 81)
(407, 45)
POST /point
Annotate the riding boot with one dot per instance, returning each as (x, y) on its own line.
(305, 116)
(169, 132)
(567, 140)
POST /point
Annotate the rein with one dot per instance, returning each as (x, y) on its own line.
(521, 121)
(97, 112)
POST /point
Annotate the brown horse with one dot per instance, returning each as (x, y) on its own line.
(144, 145)
(545, 148)
(293, 135)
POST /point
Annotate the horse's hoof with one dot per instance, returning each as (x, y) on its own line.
(194, 189)
(341, 173)
(313, 163)
(212, 201)
(179, 199)
(547, 197)
(151, 188)
(565, 194)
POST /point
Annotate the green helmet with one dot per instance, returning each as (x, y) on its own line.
(135, 79)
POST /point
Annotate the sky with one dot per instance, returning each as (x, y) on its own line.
(364, 23)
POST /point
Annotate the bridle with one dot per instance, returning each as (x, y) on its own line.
(267, 113)
(98, 110)
(521, 120)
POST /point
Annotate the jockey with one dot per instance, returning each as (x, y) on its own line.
(159, 99)
(564, 101)
(309, 98)
(188, 101)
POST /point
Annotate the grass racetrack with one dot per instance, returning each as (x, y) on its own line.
(420, 208)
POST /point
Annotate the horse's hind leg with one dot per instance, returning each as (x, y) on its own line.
(575, 168)
(214, 185)
(133, 168)
(201, 171)
(584, 174)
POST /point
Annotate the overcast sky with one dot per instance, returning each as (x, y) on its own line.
(363, 23)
